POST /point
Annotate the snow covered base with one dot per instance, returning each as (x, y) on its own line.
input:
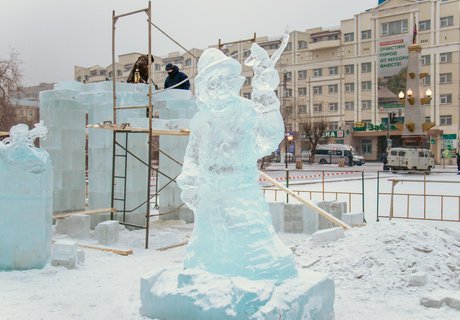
(172, 294)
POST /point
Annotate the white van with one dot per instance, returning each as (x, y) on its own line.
(331, 153)
(410, 159)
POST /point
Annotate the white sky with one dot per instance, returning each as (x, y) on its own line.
(52, 36)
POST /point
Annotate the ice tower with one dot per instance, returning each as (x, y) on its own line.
(235, 267)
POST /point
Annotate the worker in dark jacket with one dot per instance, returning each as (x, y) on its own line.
(175, 77)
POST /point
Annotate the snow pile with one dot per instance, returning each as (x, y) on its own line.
(374, 268)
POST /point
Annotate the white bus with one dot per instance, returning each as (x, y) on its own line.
(331, 153)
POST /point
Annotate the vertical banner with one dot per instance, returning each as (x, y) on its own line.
(393, 56)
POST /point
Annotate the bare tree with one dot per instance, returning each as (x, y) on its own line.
(10, 82)
(314, 132)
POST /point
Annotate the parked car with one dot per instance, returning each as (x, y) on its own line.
(410, 159)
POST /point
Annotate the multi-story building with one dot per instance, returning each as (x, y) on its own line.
(26, 103)
(350, 75)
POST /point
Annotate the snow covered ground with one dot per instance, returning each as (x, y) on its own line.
(371, 268)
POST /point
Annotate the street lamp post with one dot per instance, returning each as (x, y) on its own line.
(288, 141)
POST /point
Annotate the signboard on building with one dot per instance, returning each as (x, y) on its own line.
(393, 56)
(336, 134)
(363, 126)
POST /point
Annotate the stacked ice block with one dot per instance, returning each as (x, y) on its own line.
(65, 109)
(176, 108)
(65, 117)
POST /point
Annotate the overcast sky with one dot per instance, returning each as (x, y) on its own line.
(52, 36)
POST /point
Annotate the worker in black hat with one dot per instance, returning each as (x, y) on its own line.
(175, 77)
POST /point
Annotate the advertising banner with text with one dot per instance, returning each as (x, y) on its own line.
(393, 56)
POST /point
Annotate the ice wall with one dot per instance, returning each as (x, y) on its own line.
(66, 108)
(98, 99)
(25, 200)
(65, 117)
(176, 108)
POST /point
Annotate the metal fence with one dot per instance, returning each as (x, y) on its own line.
(319, 185)
(422, 205)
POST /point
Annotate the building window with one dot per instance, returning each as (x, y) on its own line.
(446, 98)
(445, 77)
(366, 85)
(348, 37)
(349, 69)
(288, 47)
(246, 53)
(333, 107)
(302, 91)
(350, 87)
(247, 81)
(234, 53)
(447, 21)
(366, 104)
(302, 108)
(427, 119)
(333, 71)
(366, 67)
(366, 34)
(426, 81)
(349, 105)
(188, 62)
(318, 90)
(31, 113)
(424, 25)
(426, 60)
(302, 44)
(247, 95)
(317, 72)
(302, 74)
(288, 92)
(445, 57)
(366, 146)
(93, 73)
(394, 27)
(157, 67)
(318, 107)
(333, 88)
(102, 72)
(288, 76)
(445, 120)
(333, 126)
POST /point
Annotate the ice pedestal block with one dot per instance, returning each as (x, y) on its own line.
(25, 202)
(194, 294)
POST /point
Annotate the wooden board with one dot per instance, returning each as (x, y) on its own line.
(4, 134)
(95, 211)
(123, 252)
(155, 132)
